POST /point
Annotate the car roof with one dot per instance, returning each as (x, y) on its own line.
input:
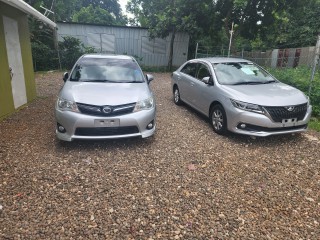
(221, 60)
(107, 56)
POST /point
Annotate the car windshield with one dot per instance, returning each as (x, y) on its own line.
(107, 70)
(241, 73)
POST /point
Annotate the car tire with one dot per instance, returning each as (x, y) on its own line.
(218, 119)
(176, 96)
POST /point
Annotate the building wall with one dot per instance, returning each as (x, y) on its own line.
(6, 96)
(133, 41)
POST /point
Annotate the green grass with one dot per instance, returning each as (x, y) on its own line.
(300, 78)
(314, 124)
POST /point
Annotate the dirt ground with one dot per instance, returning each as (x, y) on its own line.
(185, 182)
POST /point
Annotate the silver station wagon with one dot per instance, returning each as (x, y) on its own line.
(239, 96)
(105, 96)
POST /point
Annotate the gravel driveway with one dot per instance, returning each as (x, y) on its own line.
(186, 182)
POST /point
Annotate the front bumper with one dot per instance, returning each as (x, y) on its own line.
(81, 126)
(261, 125)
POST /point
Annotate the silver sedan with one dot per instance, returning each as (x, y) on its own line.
(105, 96)
(239, 96)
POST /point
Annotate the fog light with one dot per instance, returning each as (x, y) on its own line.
(61, 128)
(243, 125)
(150, 125)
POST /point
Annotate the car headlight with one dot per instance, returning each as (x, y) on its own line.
(247, 106)
(66, 105)
(144, 104)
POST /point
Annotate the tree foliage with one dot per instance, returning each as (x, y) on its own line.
(70, 50)
(163, 17)
(262, 24)
(96, 15)
(45, 53)
(69, 10)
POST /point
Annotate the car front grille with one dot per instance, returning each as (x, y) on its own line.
(106, 131)
(280, 113)
(108, 111)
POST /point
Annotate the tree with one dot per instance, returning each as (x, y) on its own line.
(95, 15)
(252, 17)
(302, 25)
(164, 17)
(71, 49)
(65, 10)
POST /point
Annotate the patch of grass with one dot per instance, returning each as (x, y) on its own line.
(314, 124)
(299, 77)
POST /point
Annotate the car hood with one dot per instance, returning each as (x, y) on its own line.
(104, 93)
(272, 94)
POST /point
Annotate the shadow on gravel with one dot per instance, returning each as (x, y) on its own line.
(126, 143)
(271, 140)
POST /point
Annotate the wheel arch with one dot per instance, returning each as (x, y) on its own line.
(214, 103)
(175, 85)
(224, 129)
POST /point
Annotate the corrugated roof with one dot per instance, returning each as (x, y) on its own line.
(26, 8)
(99, 24)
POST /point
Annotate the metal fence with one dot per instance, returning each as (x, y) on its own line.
(289, 57)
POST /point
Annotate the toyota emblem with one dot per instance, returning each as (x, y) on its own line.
(107, 109)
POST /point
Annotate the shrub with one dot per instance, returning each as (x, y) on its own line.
(300, 78)
(70, 50)
(44, 58)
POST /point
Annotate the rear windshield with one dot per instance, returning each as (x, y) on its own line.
(107, 70)
(237, 73)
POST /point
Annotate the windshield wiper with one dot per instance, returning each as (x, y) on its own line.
(248, 83)
(130, 82)
(99, 81)
(270, 81)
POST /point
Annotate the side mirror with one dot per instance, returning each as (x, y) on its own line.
(149, 78)
(65, 76)
(207, 80)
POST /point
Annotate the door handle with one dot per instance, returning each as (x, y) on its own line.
(11, 72)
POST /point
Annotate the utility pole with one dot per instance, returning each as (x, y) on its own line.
(315, 63)
(231, 33)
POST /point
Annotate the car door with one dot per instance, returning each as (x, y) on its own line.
(186, 82)
(202, 92)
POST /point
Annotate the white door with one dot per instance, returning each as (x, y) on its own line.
(15, 61)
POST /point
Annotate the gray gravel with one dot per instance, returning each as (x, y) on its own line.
(186, 182)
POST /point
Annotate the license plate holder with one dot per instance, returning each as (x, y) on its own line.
(290, 122)
(107, 122)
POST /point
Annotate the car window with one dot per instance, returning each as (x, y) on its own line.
(190, 69)
(241, 73)
(203, 71)
(113, 70)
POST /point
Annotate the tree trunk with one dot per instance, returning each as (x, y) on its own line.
(171, 49)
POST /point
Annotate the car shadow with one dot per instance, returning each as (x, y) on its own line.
(107, 144)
